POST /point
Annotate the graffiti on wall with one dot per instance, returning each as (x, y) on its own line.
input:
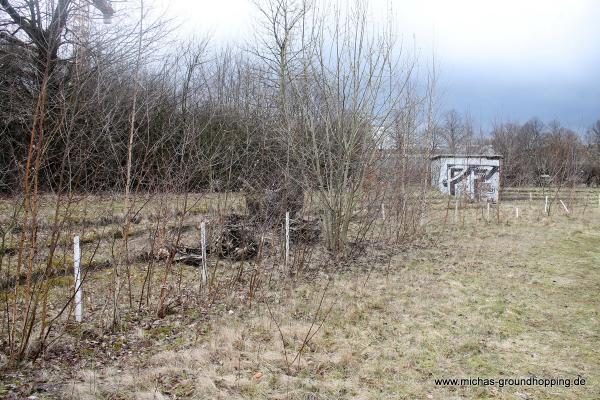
(474, 177)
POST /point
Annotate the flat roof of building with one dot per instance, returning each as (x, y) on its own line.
(491, 157)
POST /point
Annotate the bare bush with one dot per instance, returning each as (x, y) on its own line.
(108, 135)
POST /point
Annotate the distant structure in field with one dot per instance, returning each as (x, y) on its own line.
(475, 176)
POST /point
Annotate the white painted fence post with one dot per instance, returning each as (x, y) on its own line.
(383, 211)
(456, 211)
(488, 210)
(564, 206)
(77, 271)
(203, 246)
(287, 237)
(517, 212)
(546, 206)
(530, 197)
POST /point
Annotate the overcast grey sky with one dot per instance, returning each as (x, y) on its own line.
(498, 60)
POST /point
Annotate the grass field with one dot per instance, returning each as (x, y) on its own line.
(470, 298)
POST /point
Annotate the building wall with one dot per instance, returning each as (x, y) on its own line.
(476, 177)
(436, 164)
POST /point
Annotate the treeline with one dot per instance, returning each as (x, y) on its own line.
(190, 119)
(97, 108)
(89, 108)
(535, 153)
(539, 154)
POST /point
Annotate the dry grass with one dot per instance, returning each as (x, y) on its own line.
(474, 299)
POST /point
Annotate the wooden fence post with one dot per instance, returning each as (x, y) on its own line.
(564, 206)
(77, 271)
(287, 237)
(203, 246)
(456, 211)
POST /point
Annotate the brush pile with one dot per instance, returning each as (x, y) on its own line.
(236, 239)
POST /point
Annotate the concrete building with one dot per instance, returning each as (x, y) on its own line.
(476, 177)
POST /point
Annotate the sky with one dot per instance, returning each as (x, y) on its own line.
(506, 60)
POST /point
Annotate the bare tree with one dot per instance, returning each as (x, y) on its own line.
(593, 136)
(455, 132)
(345, 104)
